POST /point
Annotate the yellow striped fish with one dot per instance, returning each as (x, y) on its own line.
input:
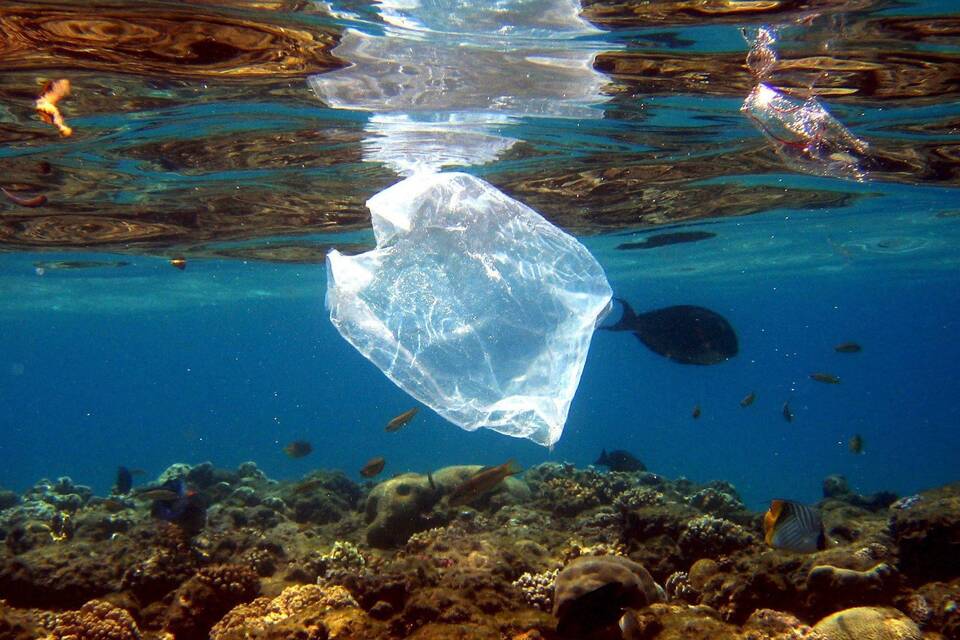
(793, 526)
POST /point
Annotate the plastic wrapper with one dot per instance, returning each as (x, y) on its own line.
(472, 303)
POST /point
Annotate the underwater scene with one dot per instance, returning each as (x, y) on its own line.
(480, 319)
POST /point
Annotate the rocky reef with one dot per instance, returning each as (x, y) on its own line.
(558, 552)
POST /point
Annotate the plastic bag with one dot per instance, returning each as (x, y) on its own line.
(472, 303)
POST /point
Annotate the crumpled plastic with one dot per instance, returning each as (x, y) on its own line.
(472, 303)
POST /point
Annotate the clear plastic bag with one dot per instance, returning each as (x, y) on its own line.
(472, 303)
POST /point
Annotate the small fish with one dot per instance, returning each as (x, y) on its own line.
(748, 399)
(185, 508)
(298, 449)
(33, 201)
(696, 412)
(162, 494)
(619, 460)
(848, 347)
(308, 485)
(46, 105)
(373, 467)
(179, 263)
(793, 526)
(124, 481)
(827, 378)
(70, 265)
(856, 444)
(482, 482)
(787, 414)
(112, 505)
(401, 420)
(630, 627)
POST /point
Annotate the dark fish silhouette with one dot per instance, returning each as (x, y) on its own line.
(124, 481)
(696, 412)
(373, 467)
(848, 347)
(826, 378)
(748, 400)
(856, 444)
(787, 414)
(794, 527)
(664, 239)
(298, 449)
(619, 460)
(684, 333)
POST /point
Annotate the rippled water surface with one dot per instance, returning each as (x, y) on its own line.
(245, 138)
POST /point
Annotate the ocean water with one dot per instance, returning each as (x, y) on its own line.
(227, 157)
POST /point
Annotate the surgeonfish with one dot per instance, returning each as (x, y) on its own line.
(827, 378)
(696, 412)
(124, 481)
(856, 444)
(620, 460)
(787, 414)
(848, 347)
(792, 526)
(748, 399)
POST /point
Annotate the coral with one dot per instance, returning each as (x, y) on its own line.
(171, 561)
(637, 497)
(927, 533)
(678, 588)
(868, 623)
(203, 599)
(767, 624)
(8, 499)
(834, 587)
(591, 591)
(567, 497)
(343, 557)
(295, 610)
(710, 537)
(96, 620)
(718, 498)
(398, 508)
(537, 588)
(701, 571)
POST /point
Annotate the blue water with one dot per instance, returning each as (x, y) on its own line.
(230, 360)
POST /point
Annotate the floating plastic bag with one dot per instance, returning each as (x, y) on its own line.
(472, 303)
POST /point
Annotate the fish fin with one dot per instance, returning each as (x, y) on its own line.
(602, 460)
(430, 480)
(770, 520)
(628, 319)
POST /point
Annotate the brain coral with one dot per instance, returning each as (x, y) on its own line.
(96, 620)
(868, 623)
(265, 614)
(591, 591)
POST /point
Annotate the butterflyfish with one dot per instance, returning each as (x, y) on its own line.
(793, 526)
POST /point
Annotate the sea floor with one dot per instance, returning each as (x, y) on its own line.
(555, 552)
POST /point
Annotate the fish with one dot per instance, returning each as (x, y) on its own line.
(162, 493)
(827, 378)
(792, 526)
(32, 201)
(748, 399)
(124, 481)
(787, 414)
(848, 347)
(46, 105)
(619, 460)
(696, 412)
(69, 265)
(686, 334)
(401, 420)
(664, 239)
(373, 467)
(179, 263)
(307, 485)
(185, 508)
(298, 449)
(856, 444)
(630, 627)
(482, 482)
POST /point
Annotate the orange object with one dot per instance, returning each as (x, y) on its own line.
(53, 91)
(33, 201)
(179, 263)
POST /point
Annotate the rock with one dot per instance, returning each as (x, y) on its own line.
(927, 530)
(8, 499)
(835, 486)
(205, 598)
(591, 592)
(397, 508)
(835, 587)
(868, 623)
(701, 571)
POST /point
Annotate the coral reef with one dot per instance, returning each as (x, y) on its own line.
(559, 553)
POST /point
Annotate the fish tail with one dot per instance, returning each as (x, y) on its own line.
(512, 467)
(627, 319)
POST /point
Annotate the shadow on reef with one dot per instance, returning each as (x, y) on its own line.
(558, 552)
